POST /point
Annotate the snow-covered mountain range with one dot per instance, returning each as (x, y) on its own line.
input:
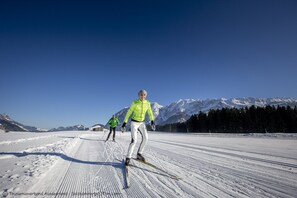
(78, 127)
(9, 124)
(182, 109)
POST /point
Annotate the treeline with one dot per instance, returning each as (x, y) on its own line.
(253, 119)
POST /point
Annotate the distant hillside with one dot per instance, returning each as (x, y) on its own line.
(9, 124)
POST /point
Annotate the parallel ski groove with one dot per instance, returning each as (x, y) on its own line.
(227, 178)
(232, 154)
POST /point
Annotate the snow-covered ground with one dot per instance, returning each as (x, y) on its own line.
(81, 164)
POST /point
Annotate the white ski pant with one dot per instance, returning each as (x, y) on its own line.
(135, 127)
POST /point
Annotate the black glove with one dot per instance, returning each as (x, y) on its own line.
(153, 125)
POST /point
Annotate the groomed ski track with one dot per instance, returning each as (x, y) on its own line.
(94, 168)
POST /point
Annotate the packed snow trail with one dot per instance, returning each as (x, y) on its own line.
(208, 166)
(94, 168)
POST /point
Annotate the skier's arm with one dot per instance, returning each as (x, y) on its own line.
(150, 113)
(128, 114)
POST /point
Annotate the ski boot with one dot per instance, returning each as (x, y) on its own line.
(127, 161)
(140, 157)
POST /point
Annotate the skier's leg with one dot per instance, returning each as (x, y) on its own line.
(134, 128)
(108, 134)
(144, 135)
(113, 133)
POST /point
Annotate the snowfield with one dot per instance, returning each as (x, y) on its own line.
(81, 164)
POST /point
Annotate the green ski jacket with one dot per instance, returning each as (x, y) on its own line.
(113, 122)
(139, 109)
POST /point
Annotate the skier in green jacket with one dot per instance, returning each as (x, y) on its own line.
(113, 122)
(138, 108)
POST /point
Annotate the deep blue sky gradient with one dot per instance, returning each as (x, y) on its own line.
(78, 62)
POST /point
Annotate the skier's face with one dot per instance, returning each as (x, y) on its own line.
(142, 96)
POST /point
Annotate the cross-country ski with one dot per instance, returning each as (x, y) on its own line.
(170, 175)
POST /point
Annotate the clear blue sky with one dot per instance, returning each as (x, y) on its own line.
(78, 62)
